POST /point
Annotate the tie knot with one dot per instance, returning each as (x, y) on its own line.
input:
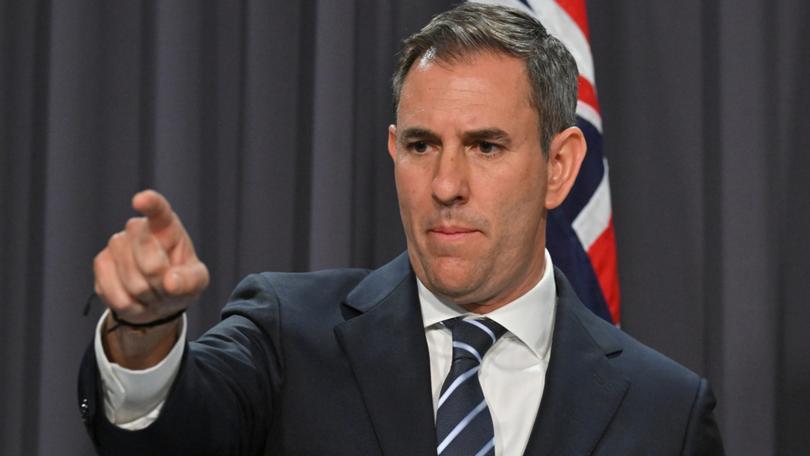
(473, 337)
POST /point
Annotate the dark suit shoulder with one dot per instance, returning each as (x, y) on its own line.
(648, 362)
(306, 289)
(329, 282)
(655, 402)
(668, 403)
(633, 357)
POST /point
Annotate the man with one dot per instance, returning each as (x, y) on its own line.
(379, 362)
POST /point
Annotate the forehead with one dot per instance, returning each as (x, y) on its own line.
(481, 87)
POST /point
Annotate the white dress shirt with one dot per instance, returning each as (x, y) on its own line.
(133, 398)
(512, 373)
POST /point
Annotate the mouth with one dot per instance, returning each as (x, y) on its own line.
(452, 232)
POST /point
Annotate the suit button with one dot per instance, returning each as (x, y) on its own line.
(84, 408)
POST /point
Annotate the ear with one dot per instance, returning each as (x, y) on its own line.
(565, 155)
(392, 142)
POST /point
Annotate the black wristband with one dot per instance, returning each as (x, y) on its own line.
(119, 322)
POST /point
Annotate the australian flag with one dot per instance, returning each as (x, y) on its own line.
(580, 234)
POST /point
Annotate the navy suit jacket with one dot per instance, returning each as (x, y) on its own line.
(336, 363)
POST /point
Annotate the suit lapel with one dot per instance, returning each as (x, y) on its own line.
(386, 348)
(583, 391)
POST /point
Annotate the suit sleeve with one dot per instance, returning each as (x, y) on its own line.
(221, 402)
(702, 434)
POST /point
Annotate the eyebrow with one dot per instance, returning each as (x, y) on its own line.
(487, 134)
(484, 134)
(416, 133)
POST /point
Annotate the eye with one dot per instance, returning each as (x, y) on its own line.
(488, 148)
(419, 147)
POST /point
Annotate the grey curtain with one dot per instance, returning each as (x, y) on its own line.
(264, 122)
(706, 125)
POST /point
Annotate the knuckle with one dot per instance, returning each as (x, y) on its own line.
(99, 290)
(115, 239)
(206, 276)
(117, 303)
(134, 283)
(151, 266)
(133, 224)
(122, 308)
(143, 293)
(99, 261)
(150, 260)
(103, 268)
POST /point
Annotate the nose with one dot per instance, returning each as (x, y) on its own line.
(450, 184)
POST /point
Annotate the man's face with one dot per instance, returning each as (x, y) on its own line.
(471, 178)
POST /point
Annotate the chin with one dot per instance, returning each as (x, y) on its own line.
(452, 278)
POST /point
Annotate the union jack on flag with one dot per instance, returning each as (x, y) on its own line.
(580, 234)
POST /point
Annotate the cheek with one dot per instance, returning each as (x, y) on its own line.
(409, 197)
(519, 207)
(412, 188)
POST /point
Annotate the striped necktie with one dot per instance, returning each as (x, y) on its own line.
(463, 422)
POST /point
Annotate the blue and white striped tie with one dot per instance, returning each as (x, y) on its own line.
(463, 422)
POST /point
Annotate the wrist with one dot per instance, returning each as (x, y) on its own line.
(120, 322)
(138, 348)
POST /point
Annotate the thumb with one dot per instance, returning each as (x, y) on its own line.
(186, 280)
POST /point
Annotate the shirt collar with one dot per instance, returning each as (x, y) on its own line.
(530, 317)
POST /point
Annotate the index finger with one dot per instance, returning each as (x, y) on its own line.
(155, 207)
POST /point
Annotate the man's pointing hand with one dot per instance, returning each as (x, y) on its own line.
(147, 272)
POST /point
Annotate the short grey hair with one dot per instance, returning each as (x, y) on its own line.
(473, 27)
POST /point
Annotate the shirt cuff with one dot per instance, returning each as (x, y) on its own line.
(133, 398)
